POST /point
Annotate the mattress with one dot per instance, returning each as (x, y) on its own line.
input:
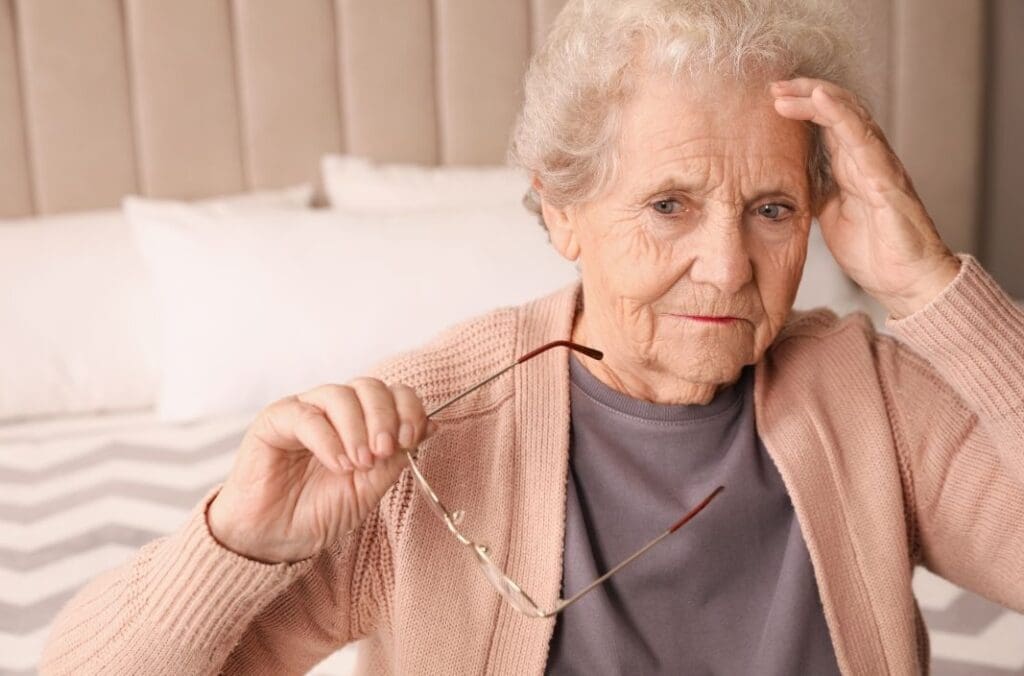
(81, 494)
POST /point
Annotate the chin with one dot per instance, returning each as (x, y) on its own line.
(715, 369)
(710, 360)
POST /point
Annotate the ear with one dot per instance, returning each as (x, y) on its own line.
(560, 224)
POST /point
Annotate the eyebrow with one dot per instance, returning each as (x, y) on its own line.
(683, 185)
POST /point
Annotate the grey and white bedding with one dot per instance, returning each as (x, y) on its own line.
(81, 494)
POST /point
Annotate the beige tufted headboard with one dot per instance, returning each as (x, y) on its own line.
(190, 98)
(187, 98)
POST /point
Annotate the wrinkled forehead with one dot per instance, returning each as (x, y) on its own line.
(728, 131)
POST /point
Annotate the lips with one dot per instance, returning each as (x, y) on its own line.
(710, 319)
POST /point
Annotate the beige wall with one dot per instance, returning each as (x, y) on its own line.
(946, 83)
(1002, 234)
(937, 81)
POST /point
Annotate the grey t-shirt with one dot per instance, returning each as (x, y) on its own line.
(731, 592)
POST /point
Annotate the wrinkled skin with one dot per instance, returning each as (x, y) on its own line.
(710, 217)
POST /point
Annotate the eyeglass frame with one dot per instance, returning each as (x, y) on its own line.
(503, 584)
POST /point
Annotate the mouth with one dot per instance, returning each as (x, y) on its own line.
(709, 319)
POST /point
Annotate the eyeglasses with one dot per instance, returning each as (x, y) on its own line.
(508, 589)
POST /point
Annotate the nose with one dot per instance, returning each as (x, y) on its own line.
(721, 258)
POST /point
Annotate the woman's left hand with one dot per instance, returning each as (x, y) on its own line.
(874, 222)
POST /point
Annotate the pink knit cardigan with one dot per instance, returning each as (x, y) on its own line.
(896, 453)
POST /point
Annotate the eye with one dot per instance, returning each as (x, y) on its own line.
(772, 211)
(667, 207)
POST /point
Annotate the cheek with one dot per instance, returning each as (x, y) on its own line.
(778, 266)
(630, 264)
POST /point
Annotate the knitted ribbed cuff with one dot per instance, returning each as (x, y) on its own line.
(973, 334)
(203, 595)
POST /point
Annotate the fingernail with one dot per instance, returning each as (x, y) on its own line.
(365, 457)
(405, 435)
(385, 444)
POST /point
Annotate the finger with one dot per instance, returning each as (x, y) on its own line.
(808, 108)
(796, 107)
(846, 128)
(381, 415)
(803, 95)
(413, 419)
(859, 138)
(293, 425)
(343, 409)
(803, 86)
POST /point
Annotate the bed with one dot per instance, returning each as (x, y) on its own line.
(187, 100)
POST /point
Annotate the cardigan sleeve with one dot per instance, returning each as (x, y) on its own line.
(186, 604)
(955, 379)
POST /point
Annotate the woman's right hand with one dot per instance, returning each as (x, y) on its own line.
(313, 466)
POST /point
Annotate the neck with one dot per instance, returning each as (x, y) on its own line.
(634, 379)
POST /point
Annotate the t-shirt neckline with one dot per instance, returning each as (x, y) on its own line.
(640, 408)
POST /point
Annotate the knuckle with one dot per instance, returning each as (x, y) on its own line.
(382, 415)
(266, 425)
(403, 388)
(319, 390)
(282, 404)
(308, 413)
(338, 396)
(365, 382)
(408, 396)
(377, 402)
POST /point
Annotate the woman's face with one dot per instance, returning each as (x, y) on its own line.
(708, 218)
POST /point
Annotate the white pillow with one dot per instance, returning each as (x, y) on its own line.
(77, 315)
(257, 307)
(356, 184)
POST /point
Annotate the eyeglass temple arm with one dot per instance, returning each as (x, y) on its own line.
(692, 513)
(589, 351)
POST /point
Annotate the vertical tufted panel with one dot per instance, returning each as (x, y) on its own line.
(1003, 243)
(386, 58)
(15, 187)
(288, 88)
(186, 107)
(542, 15)
(876, 21)
(482, 52)
(937, 109)
(76, 96)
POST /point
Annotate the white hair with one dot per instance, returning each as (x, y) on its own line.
(590, 62)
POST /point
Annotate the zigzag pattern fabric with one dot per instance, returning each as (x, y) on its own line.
(80, 495)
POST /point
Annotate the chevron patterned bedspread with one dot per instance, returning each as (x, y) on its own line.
(79, 495)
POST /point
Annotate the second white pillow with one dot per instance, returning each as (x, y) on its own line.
(356, 184)
(256, 307)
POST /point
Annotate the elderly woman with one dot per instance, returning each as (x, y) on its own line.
(679, 151)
